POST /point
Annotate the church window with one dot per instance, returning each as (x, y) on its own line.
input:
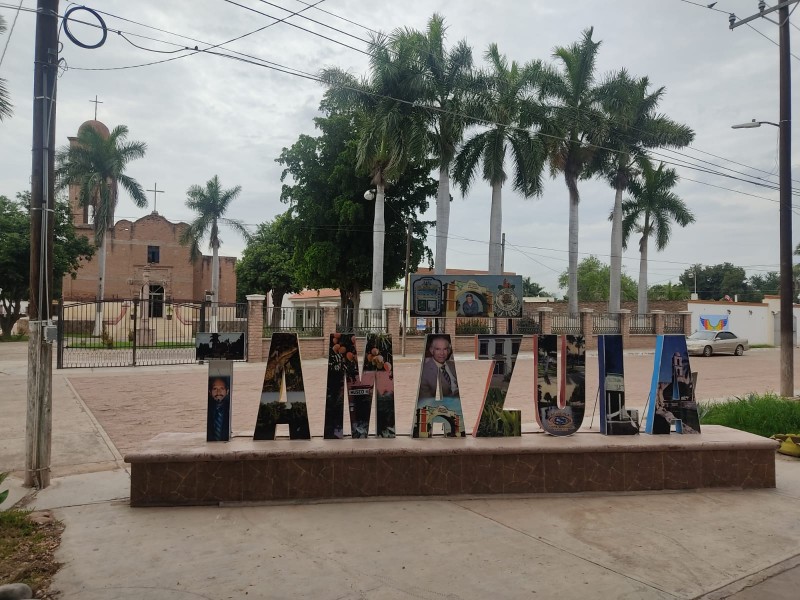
(153, 254)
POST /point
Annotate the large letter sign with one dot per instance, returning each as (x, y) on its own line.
(284, 373)
(561, 383)
(438, 373)
(615, 419)
(343, 375)
(493, 420)
(672, 399)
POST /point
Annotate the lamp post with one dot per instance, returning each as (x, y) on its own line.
(785, 242)
(693, 275)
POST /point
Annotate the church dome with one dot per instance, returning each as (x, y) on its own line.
(97, 126)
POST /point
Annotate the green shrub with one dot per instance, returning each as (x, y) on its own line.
(763, 415)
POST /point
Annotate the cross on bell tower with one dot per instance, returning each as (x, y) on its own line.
(96, 102)
(156, 192)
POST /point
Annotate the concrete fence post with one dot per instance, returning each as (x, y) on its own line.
(687, 321)
(546, 320)
(255, 327)
(658, 321)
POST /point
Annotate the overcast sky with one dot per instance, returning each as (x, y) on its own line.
(203, 115)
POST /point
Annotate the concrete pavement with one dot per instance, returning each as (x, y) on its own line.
(698, 544)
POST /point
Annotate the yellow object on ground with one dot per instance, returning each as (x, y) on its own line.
(790, 444)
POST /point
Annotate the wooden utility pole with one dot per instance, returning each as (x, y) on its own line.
(40, 354)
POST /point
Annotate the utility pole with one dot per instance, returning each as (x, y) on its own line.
(785, 182)
(39, 416)
(503, 255)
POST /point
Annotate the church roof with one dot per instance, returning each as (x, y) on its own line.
(98, 126)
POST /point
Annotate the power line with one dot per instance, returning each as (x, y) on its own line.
(10, 32)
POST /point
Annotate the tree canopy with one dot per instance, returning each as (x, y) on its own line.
(332, 221)
(593, 281)
(15, 241)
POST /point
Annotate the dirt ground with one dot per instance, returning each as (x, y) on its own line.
(135, 404)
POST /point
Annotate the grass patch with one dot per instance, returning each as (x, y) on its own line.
(763, 415)
(23, 337)
(27, 551)
(752, 346)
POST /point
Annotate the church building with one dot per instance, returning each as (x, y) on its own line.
(144, 255)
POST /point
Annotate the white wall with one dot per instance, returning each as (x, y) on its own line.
(755, 322)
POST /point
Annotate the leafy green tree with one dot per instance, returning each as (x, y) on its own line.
(571, 130)
(5, 102)
(531, 288)
(632, 126)
(504, 97)
(716, 281)
(15, 241)
(593, 281)
(668, 291)
(97, 164)
(650, 213)
(760, 285)
(267, 264)
(211, 203)
(392, 130)
(445, 72)
(332, 220)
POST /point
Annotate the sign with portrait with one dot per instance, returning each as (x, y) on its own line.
(492, 296)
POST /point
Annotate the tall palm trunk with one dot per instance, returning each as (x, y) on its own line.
(643, 275)
(378, 235)
(214, 286)
(496, 231)
(101, 287)
(442, 220)
(572, 244)
(615, 269)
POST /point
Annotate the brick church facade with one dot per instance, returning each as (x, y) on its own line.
(145, 250)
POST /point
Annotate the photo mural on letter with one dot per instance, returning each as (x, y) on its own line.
(284, 373)
(438, 374)
(560, 398)
(343, 379)
(378, 373)
(493, 420)
(672, 400)
(220, 391)
(615, 419)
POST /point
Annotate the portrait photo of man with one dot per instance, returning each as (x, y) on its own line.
(470, 307)
(218, 425)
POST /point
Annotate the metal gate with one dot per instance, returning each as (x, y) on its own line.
(121, 333)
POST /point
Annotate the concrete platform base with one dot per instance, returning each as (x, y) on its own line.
(183, 469)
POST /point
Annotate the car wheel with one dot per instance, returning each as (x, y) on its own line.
(707, 351)
(739, 350)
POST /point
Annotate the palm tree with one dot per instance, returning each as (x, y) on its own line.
(569, 133)
(632, 127)
(393, 131)
(210, 203)
(5, 103)
(96, 163)
(649, 211)
(444, 72)
(503, 98)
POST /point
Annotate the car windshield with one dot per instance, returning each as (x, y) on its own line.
(702, 335)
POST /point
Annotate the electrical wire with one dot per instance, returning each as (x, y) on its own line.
(10, 32)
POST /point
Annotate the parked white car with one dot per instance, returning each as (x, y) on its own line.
(706, 343)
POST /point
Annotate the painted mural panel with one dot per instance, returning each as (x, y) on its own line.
(342, 371)
(438, 398)
(283, 376)
(615, 419)
(378, 374)
(493, 419)
(466, 296)
(561, 383)
(714, 323)
(220, 392)
(672, 395)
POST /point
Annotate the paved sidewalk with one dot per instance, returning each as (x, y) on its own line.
(699, 544)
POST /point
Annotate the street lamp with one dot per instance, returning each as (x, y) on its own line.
(785, 224)
(693, 275)
(753, 124)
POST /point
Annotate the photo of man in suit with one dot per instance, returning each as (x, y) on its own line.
(470, 308)
(218, 425)
(438, 369)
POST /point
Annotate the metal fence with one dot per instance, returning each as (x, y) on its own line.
(673, 323)
(642, 324)
(305, 322)
(567, 324)
(120, 333)
(606, 323)
(362, 321)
